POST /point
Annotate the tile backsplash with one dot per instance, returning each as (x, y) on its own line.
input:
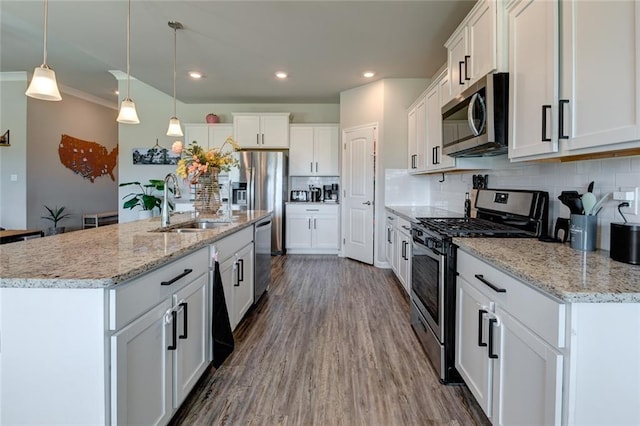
(609, 175)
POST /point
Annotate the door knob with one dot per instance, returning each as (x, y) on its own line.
(368, 203)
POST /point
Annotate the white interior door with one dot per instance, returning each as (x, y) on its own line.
(358, 200)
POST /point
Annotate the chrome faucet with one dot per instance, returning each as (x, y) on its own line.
(165, 198)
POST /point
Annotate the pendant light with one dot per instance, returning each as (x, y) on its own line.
(43, 84)
(128, 114)
(175, 129)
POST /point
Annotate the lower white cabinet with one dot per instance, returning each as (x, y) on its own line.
(398, 247)
(236, 257)
(312, 228)
(158, 357)
(509, 341)
(390, 249)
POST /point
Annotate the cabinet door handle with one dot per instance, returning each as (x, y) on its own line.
(316, 167)
(492, 355)
(389, 235)
(185, 327)
(177, 277)
(309, 223)
(311, 167)
(315, 223)
(174, 331)
(466, 67)
(460, 64)
(257, 138)
(481, 313)
(433, 155)
(263, 139)
(561, 134)
(544, 123)
(241, 269)
(495, 288)
(437, 155)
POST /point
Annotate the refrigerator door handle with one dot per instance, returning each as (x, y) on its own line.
(252, 188)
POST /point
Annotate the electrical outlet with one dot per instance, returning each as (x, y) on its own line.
(631, 196)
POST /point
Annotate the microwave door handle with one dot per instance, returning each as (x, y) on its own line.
(476, 98)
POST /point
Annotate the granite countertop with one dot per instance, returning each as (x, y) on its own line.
(557, 269)
(106, 256)
(410, 213)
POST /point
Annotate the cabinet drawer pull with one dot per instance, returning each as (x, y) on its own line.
(492, 355)
(561, 134)
(481, 313)
(493, 286)
(544, 123)
(185, 327)
(177, 277)
(406, 227)
(466, 67)
(312, 210)
(460, 64)
(174, 331)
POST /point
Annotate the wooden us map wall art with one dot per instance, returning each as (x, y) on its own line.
(88, 159)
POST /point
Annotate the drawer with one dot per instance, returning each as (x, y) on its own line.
(403, 225)
(312, 209)
(540, 313)
(129, 300)
(391, 217)
(227, 247)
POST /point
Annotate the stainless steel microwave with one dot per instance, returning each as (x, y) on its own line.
(475, 123)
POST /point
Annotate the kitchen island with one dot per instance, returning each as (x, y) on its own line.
(112, 325)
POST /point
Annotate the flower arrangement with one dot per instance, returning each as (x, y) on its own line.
(196, 160)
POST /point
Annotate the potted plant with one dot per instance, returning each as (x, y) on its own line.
(55, 215)
(145, 198)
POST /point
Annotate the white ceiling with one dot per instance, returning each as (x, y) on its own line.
(238, 45)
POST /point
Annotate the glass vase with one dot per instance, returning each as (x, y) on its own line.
(207, 193)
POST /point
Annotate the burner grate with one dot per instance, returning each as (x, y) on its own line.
(470, 227)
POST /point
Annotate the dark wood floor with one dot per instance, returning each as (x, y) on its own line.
(329, 344)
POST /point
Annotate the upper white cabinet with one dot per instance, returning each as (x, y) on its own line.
(261, 131)
(436, 160)
(207, 135)
(475, 48)
(573, 90)
(416, 131)
(533, 77)
(314, 150)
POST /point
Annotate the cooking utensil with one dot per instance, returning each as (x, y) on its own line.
(572, 200)
(588, 202)
(597, 206)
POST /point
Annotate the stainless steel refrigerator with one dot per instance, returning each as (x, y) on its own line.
(260, 183)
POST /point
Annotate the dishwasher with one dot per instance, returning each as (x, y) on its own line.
(262, 240)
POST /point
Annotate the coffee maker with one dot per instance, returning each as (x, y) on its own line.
(330, 193)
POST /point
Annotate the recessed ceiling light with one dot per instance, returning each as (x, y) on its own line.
(281, 74)
(368, 74)
(195, 74)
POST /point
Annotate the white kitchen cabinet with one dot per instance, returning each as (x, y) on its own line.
(312, 228)
(475, 48)
(314, 150)
(416, 132)
(533, 77)
(436, 160)
(261, 131)
(564, 105)
(509, 343)
(403, 253)
(158, 357)
(236, 257)
(207, 135)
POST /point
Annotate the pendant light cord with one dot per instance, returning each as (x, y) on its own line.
(46, 19)
(175, 55)
(128, 50)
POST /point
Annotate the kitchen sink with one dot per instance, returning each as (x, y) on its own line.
(189, 227)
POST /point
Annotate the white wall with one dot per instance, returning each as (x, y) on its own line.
(608, 175)
(384, 102)
(13, 159)
(154, 110)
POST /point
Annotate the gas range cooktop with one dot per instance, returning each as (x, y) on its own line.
(469, 227)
